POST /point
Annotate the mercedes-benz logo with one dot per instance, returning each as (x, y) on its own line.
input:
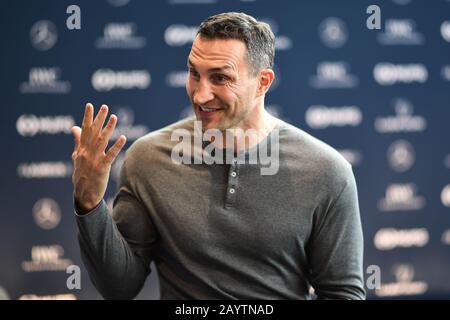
(43, 35)
(333, 32)
(46, 213)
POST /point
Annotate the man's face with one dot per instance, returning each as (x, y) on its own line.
(220, 85)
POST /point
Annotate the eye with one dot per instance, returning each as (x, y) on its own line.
(219, 78)
(194, 73)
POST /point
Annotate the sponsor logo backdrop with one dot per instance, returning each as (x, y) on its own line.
(381, 97)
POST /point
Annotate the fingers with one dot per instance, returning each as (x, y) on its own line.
(87, 123)
(115, 149)
(97, 125)
(93, 135)
(107, 133)
(76, 131)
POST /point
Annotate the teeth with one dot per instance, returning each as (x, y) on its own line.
(207, 110)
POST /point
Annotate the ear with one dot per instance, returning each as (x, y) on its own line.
(265, 79)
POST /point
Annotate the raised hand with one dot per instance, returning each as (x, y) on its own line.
(91, 162)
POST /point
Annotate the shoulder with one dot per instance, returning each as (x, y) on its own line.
(156, 146)
(158, 140)
(318, 160)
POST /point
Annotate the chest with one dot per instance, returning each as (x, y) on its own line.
(233, 209)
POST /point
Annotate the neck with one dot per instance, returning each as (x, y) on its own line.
(251, 131)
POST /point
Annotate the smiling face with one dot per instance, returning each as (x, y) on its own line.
(222, 90)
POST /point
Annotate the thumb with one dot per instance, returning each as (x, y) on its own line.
(76, 131)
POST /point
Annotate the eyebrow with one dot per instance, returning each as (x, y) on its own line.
(217, 69)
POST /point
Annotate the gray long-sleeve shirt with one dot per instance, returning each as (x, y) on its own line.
(272, 238)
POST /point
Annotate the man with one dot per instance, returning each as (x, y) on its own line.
(220, 231)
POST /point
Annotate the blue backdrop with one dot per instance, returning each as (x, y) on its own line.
(381, 97)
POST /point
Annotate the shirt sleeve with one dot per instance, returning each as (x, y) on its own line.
(335, 250)
(117, 248)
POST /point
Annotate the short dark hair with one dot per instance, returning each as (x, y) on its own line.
(257, 36)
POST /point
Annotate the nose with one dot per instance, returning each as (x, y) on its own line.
(202, 93)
